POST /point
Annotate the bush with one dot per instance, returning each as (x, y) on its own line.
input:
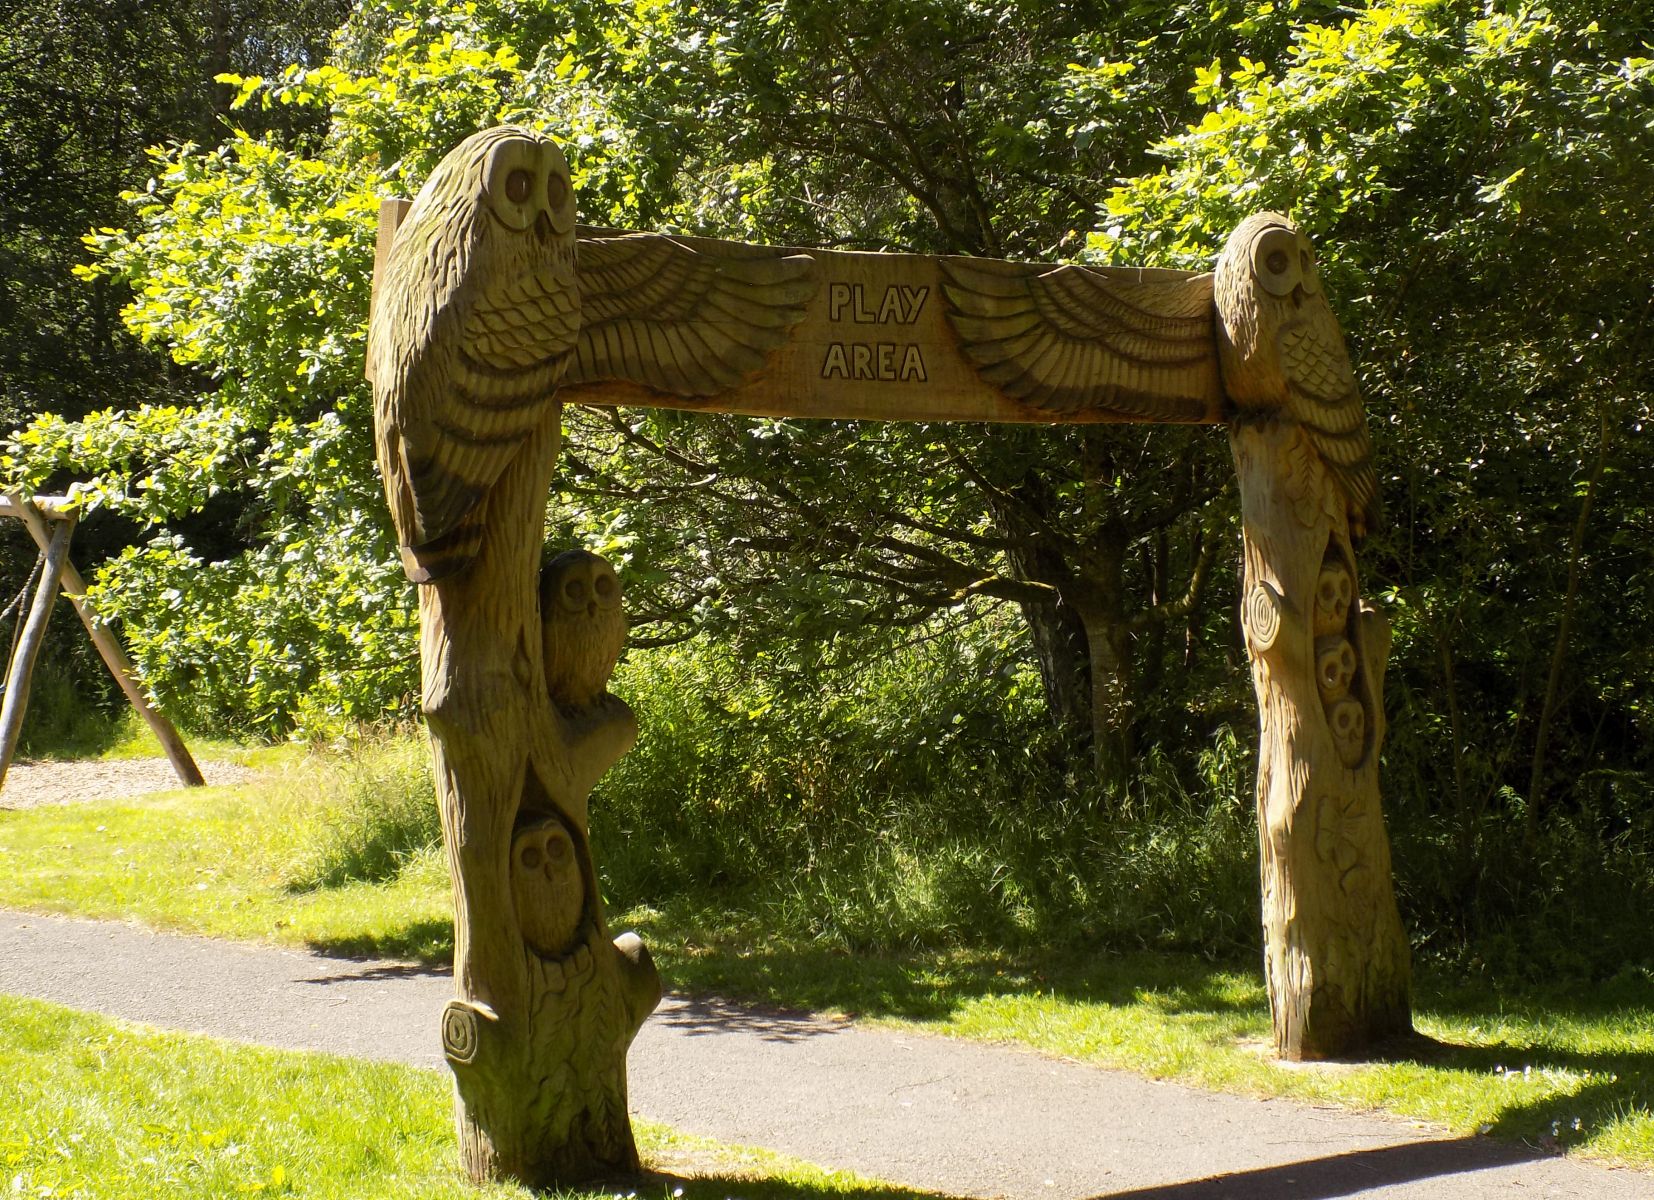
(918, 801)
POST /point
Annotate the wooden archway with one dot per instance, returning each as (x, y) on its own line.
(491, 310)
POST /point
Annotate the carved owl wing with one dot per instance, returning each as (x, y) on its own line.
(1136, 344)
(1323, 397)
(688, 320)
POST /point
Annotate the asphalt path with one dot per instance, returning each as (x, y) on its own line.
(929, 1112)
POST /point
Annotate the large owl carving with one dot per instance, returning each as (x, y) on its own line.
(582, 627)
(487, 301)
(1283, 353)
(478, 316)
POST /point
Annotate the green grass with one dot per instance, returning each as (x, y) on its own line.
(1571, 1067)
(90, 1108)
(222, 862)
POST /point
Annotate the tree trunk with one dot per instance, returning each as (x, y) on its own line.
(1336, 958)
(546, 1003)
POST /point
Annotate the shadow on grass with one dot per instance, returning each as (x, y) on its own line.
(429, 942)
(1610, 1085)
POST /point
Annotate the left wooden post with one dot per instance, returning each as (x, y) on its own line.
(474, 304)
(20, 675)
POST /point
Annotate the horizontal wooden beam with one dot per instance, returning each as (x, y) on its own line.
(848, 334)
(56, 508)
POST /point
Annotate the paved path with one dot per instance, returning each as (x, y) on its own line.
(925, 1111)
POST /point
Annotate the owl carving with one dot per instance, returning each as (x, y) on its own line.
(479, 312)
(488, 301)
(1283, 354)
(582, 628)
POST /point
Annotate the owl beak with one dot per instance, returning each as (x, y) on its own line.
(542, 227)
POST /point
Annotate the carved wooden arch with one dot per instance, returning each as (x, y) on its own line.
(476, 343)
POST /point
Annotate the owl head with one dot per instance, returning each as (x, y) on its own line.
(1263, 279)
(1281, 258)
(507, 191)
(582, 626)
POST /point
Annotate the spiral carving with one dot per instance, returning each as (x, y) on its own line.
(460, 1032)
(1261, 616)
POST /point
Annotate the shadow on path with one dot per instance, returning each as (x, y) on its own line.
(1341, 1174)
(367, 970)
(698, 1016)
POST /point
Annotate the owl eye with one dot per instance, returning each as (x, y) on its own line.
(574, 592)
(1275, 260)
(518, 185)
(557, 189)
(604, 586)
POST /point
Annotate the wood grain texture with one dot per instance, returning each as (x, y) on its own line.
(717, 326)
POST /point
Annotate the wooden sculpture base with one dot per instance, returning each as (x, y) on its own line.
(1335, 955)
(546, 1003)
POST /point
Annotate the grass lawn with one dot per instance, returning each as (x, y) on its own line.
(1570, 1067)
(90, 1108)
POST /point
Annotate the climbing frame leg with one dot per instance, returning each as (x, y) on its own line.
(21, 673)
(109, 649)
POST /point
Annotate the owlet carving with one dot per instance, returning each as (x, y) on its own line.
(582, 627)
(1283, 354)
(547, 887)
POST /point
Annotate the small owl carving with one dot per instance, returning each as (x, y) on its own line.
(582, 627)
(1283, 354)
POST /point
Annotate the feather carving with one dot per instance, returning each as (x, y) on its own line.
(1137, 344)
(686, 320)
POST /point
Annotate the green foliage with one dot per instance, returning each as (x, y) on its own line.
(918, 800)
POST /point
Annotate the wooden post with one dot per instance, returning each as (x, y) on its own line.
(470, 335)
(1335, 954)
(109, 649)
(28, 646)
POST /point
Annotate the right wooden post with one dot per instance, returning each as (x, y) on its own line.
(1335, 954)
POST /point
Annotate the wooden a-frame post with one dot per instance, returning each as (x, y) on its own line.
(49, 520)
(547, 1004)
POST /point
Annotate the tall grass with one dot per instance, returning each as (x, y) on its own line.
(378, 813)
(918, 801)
(921, 801)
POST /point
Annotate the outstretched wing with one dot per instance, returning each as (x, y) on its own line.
(690, 321)
(1135, 343)
(1322, 396)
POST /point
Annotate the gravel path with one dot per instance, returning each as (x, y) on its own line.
(957, 1117)
(32, 784)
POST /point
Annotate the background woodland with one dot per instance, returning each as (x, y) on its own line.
(898, 683)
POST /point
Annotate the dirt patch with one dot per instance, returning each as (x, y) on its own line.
(32, 784)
